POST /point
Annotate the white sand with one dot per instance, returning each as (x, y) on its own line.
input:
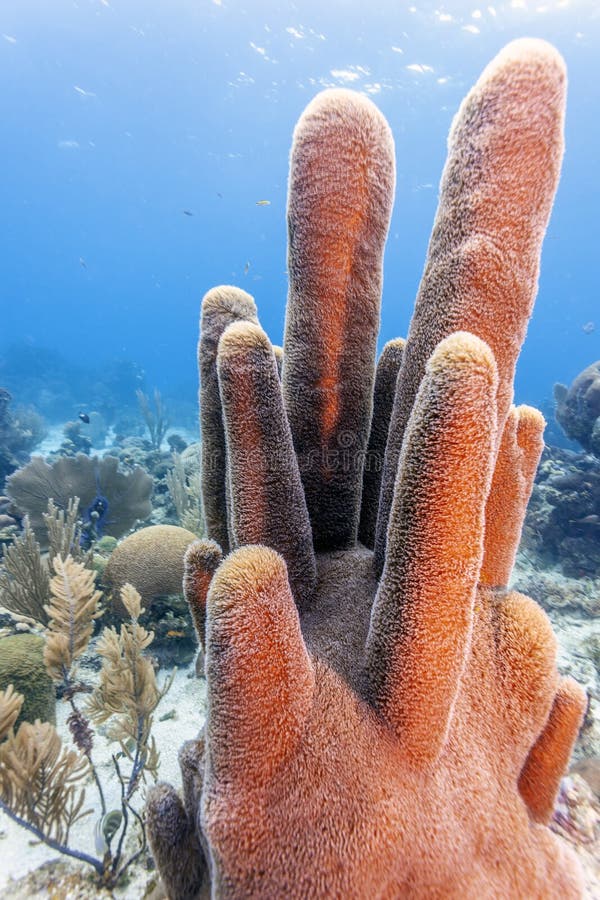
(19, 854)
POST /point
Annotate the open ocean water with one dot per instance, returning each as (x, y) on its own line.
(137, 137)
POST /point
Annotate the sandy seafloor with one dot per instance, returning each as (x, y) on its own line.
(19, 854)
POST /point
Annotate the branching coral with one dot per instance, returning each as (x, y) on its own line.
(156, 419)
(71, 612)
(41, 780)
(128, 693)
(25, 572)
(10, 707)
(397, 726)
(186, 494)
(24, 579)
(578, 408)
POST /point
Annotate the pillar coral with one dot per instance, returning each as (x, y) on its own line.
(400, 735)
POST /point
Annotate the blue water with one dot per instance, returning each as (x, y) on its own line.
(119, 115)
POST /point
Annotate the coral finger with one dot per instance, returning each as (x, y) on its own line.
(525, 651)
(518, 457)
(383, 399)
(504, 155)
(175, 845)
(549, 756)
(220, 307)
(278, 351)
(200, 563)
(340, 197)
(192, 760)
(266, 496)
(422, 617)
(259, 674)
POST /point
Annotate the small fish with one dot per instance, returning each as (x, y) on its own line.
(587, 520)
(81, 91)
(263, 202)
(175, 633)
(188, 212)
(220, 195)
(246, 268)
(82, 262)
(588, 327)
(84, 418)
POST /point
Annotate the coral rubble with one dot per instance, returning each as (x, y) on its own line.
(392, 723)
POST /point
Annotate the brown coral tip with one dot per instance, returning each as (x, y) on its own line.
(549, 756)
(267, 504)
(175, 845)
(200, 562)
(386, 376)
(220, 307)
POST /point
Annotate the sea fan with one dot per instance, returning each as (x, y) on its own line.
(71, 611)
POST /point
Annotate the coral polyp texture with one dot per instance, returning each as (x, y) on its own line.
(390, 722)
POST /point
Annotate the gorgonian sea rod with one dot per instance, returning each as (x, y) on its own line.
(385, 719)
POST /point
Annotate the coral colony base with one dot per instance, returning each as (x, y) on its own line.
(385, 717)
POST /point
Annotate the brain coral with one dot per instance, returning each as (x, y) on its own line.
(22, 665)
(380, 723)
(150, 559)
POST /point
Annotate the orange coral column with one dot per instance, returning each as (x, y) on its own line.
(422, 616)
(341, 190)
(518, 457)
(504, 155)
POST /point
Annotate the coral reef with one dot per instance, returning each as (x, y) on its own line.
(563, 519)
(578, 408)
(42, 377)
(402, 736)
(25, 571)
(22, 665)
(150, 559)
(42, 781)
(20, 432)
(186, 494)
(77, 440)
(110, 501)
(155, 419)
